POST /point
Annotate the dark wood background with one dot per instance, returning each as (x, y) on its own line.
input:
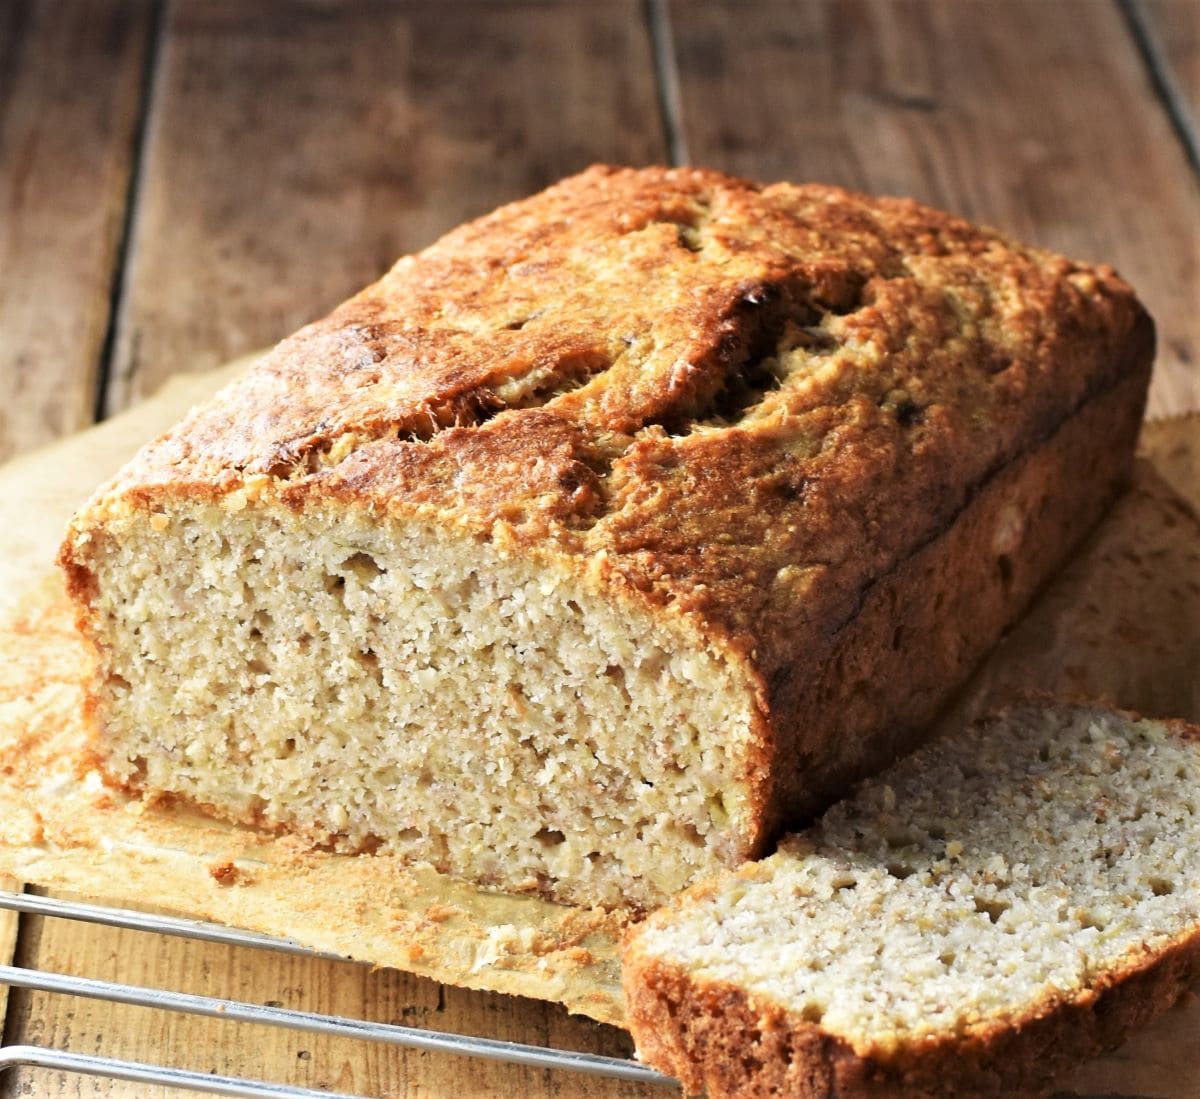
(183, 181)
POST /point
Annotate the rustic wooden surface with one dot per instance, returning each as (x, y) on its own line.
(70, 100)
(181, 181)
(301, 1060)
(1174, 27)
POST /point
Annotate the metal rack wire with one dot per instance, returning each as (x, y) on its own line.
(236, 1011)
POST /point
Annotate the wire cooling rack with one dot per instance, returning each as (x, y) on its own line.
(236, 1011)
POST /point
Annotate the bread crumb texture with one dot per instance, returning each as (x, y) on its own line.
(501, 564)
(986, 913)
(381, 681)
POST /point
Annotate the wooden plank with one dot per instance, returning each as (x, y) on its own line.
(9, 924)
(70, 94)
(1039, 118)
(295, 151)
(1175, 30)
(297, 1059)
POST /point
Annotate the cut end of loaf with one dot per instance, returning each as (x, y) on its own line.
(389, 684)
(972, 920)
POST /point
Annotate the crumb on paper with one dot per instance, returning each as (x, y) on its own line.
(225, 873)
(580, 956)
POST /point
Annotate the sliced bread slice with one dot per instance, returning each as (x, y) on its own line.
(979, 918)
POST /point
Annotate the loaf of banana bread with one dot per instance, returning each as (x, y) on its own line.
(613, 530)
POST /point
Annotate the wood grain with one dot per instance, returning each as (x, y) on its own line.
(9, 924)
(1175, 28)
(295, 151)
(70, 90)
(297, 1059)
(1039, 118)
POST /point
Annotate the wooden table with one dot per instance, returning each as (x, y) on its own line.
(185, 180)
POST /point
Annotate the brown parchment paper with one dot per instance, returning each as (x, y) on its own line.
(1121, 622)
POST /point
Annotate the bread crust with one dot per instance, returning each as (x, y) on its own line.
(868, 701)
(742, 407)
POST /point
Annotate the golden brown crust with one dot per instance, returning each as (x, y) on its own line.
(863, 699)
(934, 352)
(749, 403)
(715, 1038)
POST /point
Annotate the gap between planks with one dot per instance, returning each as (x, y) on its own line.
(150, 68)
(1162, 77)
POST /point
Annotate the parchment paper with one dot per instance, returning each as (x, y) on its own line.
(1121, 622)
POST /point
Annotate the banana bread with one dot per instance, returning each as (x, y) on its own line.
(612, 530)
(975, 921)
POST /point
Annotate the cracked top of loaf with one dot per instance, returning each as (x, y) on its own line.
(746, 401)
